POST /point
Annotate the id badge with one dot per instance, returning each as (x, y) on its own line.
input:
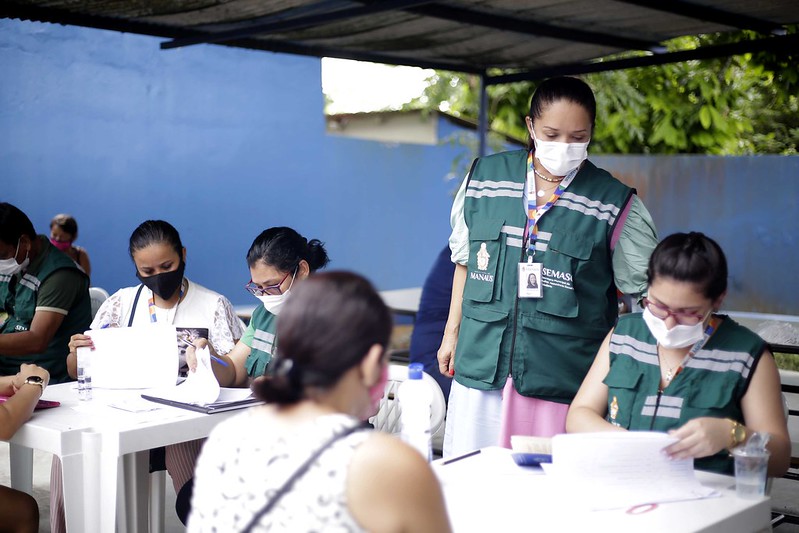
(530, 280)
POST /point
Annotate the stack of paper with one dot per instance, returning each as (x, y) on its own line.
(621, 469)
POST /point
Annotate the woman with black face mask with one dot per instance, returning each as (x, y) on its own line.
(164, 296)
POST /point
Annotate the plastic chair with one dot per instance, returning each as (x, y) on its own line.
(98, 296)
(388, 414)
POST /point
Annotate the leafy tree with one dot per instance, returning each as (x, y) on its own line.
(737, 105)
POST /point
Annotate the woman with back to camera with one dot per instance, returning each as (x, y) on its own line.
(518, 355)
(279, 260)
(63, 234)
(330, 374)
(683, 368)
(164, 296)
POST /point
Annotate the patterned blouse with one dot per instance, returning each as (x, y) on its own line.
(245, 461)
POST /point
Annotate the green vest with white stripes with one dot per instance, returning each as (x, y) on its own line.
(547, 344)
(19, 299)
(712, 383)
(264, 342)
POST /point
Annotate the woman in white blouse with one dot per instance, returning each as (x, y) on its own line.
(304, 461)
(165, 295)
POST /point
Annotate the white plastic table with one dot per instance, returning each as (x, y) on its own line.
(92, 438)
(488, 492)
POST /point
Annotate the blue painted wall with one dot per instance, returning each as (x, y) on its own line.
(224, 143)
(221, 142)
(749, 205)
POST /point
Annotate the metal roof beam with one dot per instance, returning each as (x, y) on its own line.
(529, 27)
(60, 16)
(779, 45)
(709, 14)
(208, 37)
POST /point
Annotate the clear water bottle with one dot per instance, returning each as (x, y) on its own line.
(416, 400)
(84, 374)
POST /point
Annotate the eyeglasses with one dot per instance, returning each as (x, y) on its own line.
(271, 290)
(682, 318)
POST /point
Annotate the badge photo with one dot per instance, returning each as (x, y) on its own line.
(530, 280)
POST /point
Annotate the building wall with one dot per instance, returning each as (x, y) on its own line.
(749, 205)
(221, 142)
(224, 143)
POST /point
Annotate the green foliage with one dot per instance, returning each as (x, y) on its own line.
(732, 106)
(787, 361)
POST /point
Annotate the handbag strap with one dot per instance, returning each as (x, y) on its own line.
(287, 486)
(135, 301)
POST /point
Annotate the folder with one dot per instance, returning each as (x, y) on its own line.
(210, 408)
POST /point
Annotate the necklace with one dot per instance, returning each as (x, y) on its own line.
(550, 180)
(541, 192)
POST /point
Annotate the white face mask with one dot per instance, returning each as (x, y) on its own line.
(677, 337)
(559, 158)
(273, 302)
(9, 266)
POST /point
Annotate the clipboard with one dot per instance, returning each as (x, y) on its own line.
(210, 408)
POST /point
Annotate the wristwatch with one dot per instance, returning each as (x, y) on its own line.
(35, 380)
(738, 433)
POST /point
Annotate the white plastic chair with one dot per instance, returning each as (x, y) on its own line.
(388, 414)
(98, 296)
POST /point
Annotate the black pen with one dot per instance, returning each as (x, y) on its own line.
(458, 458)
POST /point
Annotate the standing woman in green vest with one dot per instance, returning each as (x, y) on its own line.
(278, 259)
(518, 354)
(683, 368)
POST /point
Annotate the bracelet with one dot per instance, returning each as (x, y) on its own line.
(737, 433)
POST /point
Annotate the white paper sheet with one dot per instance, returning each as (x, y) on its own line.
(200, 387)
(139, 357)
(622, 469)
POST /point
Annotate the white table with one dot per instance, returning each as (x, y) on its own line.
(91, 438)
(400, 301)
(488, 492)
(403, 301)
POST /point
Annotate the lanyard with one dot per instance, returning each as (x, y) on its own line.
(151, 305)
(535, 213)
(709, 330)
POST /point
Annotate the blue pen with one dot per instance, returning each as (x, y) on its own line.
(215, 358)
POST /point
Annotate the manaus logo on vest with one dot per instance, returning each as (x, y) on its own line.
(482, 257)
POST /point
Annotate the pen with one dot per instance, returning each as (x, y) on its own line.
(458, 458)
(215, 358)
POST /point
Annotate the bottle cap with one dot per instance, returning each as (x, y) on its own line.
(415, 370)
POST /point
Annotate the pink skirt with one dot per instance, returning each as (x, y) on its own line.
(529, 416)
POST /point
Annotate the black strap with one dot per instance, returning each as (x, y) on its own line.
(286, 487)
(135, 301)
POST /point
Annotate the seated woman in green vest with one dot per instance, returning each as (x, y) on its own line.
(278, 259)
(681, 367)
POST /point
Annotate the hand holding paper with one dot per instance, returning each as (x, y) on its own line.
(201, 386)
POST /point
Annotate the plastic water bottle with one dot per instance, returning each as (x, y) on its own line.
(84, 375)
(416, 399)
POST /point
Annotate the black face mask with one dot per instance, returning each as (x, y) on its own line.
(164, 284)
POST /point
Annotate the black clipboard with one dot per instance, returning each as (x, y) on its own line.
(211, 408)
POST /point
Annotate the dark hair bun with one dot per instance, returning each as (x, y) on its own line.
(280, 384)
(317, 255)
